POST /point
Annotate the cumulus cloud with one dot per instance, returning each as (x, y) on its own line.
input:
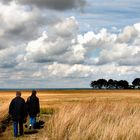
(57, 45)
(80, 72)
(52, 4)
(17, 28)
(19, 25)
(65, 70)
(91, 55)
(129, 34)
(8, 57)
(133, 60)
(112, 47)
(116, 53)
(63, 44)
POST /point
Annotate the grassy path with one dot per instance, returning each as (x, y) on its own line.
(29, 134)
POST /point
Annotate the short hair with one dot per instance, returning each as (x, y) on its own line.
(18, 93)
(33, 92)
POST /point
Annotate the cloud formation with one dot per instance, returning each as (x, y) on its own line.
(63, 44)
(39, 45)
(57, 45)
(17, 28)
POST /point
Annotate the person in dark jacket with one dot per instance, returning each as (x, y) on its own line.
(18, 112)
(33, 108)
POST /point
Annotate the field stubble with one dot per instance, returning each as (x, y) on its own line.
(85, 114)
(96, 121)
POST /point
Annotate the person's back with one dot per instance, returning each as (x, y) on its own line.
(17, 109)
(33, 108)
(33, 105)
(18, 112)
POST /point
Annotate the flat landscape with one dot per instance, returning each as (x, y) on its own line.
(79, 111)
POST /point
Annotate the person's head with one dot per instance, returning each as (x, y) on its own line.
(34, 92)
(18, 93)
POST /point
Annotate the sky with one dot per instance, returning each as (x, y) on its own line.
(68, 43)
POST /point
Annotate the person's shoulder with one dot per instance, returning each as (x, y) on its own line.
(22, 99)
(16, 99)
(37, 98)
(13, 99)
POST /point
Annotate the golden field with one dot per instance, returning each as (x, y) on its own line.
(84, 114)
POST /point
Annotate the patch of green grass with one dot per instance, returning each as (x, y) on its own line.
(47, 111)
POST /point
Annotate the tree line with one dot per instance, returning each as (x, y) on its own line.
(114, 84)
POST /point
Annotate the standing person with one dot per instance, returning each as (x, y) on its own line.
(18, 112)
(33, 108)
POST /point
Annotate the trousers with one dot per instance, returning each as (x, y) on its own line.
(33, 121)
(17, 124)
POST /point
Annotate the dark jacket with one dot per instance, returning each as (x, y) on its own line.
(33, 105)
(17, 109)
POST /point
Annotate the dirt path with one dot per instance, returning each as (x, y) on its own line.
(37, 134)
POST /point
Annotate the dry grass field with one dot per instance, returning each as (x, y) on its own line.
(83, 114)
(96, 121)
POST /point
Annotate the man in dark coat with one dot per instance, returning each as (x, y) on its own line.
(33, 108)
(18, 112)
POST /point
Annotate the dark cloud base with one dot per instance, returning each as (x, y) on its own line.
(51, 4)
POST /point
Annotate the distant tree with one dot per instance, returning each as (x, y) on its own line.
(136, 82)
(102, 83)
(122, 84)
(93, 84)
(116, 83)
(111, 84)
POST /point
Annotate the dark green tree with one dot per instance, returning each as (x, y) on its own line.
(122, 84)
(111, 84)
(136, 82)
(93, 84)
(102, 83)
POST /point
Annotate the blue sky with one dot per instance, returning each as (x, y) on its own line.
(66, 44)
(108, 13)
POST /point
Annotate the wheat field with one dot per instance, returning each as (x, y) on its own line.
(83, 114)
(96, 121)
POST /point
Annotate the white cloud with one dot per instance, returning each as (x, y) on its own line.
(58, 45)
(116, 52)
(80, 72)
(129, 33)
(62, 44)
(66, 28)
(17, 24)
(113, 48)
(57, 70)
